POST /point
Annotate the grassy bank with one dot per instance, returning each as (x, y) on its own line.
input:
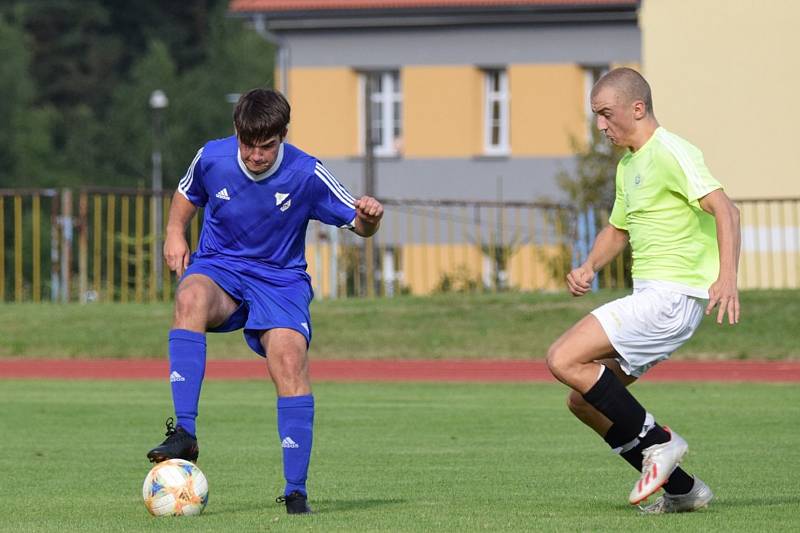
(508, 325)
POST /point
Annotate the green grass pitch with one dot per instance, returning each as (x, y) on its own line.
(392, 457)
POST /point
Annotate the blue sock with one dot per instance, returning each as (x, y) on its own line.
(296, 429)
(187, 365)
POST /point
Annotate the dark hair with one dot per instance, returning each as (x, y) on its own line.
(260, 114)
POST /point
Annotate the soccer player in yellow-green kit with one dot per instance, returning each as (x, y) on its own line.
(685, 237)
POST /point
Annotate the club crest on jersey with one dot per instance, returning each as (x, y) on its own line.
(280, 197)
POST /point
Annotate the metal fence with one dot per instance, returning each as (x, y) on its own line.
(770, 243)
(453, 246)
(96, 244)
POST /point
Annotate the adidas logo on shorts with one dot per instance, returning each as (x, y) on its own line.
(176, 377)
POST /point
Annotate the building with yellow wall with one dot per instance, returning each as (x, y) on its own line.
(724, 75)
(473, 100)
(728, 85)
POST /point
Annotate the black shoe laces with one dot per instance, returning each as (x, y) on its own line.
(170, 427)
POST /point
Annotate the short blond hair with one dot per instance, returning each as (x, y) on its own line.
(629, 84)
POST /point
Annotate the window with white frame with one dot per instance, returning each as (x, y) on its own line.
(495, 112)
(386, 110)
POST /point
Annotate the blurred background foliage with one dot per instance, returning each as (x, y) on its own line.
(75, 80)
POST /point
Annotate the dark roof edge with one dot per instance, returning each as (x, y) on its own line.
(405, 18)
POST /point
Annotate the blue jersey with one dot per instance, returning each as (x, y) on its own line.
(262, 216)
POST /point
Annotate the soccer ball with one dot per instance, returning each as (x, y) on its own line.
(175, 487)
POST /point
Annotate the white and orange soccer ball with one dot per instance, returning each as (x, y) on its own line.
(175, 488)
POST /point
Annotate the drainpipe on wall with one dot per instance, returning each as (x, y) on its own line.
(260, 25)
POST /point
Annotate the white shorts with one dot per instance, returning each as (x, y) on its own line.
(650, 324)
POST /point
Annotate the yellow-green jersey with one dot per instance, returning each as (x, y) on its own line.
(673, 240)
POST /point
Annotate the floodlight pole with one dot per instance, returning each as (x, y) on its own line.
(158, 103)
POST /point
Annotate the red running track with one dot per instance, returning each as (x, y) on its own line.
(397, 370)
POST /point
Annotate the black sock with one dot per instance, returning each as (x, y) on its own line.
(610, 397)
(656, 435)
(679, 481)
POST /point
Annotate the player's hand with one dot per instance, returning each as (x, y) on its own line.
(579, 280)
(725, 294)
(176, 253)
(369, 209)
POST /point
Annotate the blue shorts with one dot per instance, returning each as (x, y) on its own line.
(268, 297)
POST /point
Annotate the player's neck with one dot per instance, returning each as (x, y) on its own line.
(644, 132)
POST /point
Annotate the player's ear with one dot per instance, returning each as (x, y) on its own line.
(639, 110)
(284, 133)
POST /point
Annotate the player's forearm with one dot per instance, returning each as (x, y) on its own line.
(609, 243)
(180, 213)
(729, 239)
(726, 217)
(366, 229)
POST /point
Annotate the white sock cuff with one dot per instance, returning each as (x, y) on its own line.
(649, 423)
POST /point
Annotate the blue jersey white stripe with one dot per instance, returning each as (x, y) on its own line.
(186, 181)
(335, 182)
(263, 218)
(332, 181)
(335, 187)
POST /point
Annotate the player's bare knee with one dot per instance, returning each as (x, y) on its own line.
(558, 361)
(292, 364)
(192, 303)
(189, 299)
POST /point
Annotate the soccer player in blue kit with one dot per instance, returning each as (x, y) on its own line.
(249, 271)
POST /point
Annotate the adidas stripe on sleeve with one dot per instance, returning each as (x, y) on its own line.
(699, 181)
(190, 186)
(333, 184)
(335, 205)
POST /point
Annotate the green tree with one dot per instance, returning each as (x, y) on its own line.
(237, 59)
(199, 106)
(26, 150)
(76, 50)
(592, 183)
(76, 79)
(128, 126)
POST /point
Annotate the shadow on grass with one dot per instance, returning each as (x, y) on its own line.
(318, 506)
(771, 501)
(719, 505)
(329, 506)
